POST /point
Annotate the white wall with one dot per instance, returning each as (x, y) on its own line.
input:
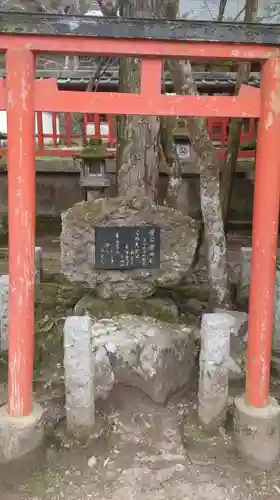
(47, 125)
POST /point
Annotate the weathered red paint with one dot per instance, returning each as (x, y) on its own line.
(146, 104)
(265, 231)
(21, 203)
(22, 96)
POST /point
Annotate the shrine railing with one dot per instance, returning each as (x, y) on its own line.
(56, 135)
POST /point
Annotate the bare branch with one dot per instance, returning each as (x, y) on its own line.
(222, 8)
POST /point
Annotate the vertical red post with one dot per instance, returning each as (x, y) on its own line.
(68, 129)
(40, 131)
(265, 232)
(21, 206)
(54, 130)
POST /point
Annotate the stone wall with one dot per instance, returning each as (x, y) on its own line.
(58, 188)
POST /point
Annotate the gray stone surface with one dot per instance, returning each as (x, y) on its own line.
(20, 436)
(245, 272)
(153, 356)
(179, 236)
(104, 374)
(243, 290)
(38, 264)
(276, 327)
(4, 293)
(257, 433)
(240, 325)
(79, 374)
(213, 363)
(238, 343)
(154, 307)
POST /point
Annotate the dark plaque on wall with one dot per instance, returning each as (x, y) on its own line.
(127, 248)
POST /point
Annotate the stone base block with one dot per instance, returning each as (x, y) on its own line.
(257, 433)
(20, 435)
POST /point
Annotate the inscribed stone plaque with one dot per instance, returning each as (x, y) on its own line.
(127, 248)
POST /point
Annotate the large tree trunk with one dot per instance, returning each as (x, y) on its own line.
(229, 167)
(209, 180)
(130, 154)
(209, 187)
(138, 152)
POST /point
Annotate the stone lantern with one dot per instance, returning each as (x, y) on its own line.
(182, 143)
(92, 165)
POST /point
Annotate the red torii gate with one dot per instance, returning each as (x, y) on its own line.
(152, 41)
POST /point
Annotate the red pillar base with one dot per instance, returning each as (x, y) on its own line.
(20, 436)
(257, 433)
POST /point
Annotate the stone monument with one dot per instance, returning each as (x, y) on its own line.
(126, 248)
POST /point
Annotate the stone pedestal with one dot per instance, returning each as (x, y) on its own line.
(213, 377)
(20, 435)
(79, 374)
(257, 433)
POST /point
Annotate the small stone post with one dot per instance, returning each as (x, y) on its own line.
(79, 374)
(213, 380)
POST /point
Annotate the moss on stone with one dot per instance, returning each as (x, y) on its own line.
(161, 309)
(55, 298)
(95, 150)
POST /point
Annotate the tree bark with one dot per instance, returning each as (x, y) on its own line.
(215, 239)
(138, 137)
(222, 8)
(176, 194)
(229, 167)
